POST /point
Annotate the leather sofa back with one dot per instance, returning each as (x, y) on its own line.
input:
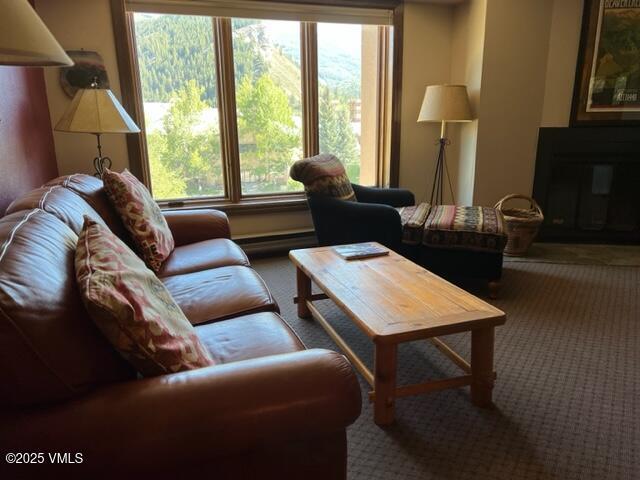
(60, 202)
(91, 190)
(49, 348)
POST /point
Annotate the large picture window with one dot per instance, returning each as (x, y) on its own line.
(229, 102)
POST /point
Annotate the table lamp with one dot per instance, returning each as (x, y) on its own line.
(25, 40)
(444, 103)
(96, 110)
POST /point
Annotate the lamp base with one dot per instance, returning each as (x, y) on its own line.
(100, 163)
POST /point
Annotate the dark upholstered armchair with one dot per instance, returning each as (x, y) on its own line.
(371, 218)
(344, 212)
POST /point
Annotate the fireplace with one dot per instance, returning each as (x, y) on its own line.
(587, 182)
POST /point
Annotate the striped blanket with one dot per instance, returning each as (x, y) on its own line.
(469, 228)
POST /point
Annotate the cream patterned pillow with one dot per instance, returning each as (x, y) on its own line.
(141, 216)
(132, 307)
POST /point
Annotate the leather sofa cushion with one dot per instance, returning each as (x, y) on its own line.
(132, 308)
(141, 216)
(49, 348)
(249, 336)
(220, 293)
(91, 190)
(219, 252)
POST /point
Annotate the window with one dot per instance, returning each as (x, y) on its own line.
(266, 61)
(342, 77)
(230, 100)
(176, 58)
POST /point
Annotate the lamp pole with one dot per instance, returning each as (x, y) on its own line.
(437, 189)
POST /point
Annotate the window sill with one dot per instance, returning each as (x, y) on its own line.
(268, 204)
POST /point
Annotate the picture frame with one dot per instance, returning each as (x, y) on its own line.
(607, 83)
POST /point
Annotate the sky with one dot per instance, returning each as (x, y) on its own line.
(334, 36)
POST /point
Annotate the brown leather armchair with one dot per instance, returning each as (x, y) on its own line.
(270, 408)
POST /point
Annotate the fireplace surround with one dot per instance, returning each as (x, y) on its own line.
(587, 181)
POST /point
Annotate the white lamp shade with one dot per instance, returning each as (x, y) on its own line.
(445, 103)
(96, 110)
(24, 38)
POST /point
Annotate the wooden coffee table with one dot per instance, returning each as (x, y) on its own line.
(393, 300)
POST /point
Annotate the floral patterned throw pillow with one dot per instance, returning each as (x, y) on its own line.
(132, 307)
(141, 216)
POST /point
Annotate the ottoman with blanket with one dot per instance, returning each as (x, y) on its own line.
(456, 241)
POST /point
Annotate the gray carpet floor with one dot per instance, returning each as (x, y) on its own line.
(580, 254)
(567, 396)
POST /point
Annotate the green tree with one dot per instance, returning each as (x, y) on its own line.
(265, 122)
(185, 159)
(336, 134)
(166, 183)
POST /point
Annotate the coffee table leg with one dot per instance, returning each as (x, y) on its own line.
(304, 293)
(384, 384)
(482, 366)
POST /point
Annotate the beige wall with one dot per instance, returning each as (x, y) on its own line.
(426, 60)
(518, 60)
(564, 40)
(510, 110)
(466, 68)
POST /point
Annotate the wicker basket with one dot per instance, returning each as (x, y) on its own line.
(522, 224)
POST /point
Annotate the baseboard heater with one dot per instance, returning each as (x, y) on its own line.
(278, 243)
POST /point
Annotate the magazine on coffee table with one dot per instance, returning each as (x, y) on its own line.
(360, 250)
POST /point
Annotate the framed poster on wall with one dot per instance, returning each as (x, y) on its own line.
(607, 86)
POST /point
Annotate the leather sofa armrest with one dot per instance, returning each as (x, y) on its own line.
(190, 226)
(192, 417)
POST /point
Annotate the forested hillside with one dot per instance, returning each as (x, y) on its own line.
(173, 50)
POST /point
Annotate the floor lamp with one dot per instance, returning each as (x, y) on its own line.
(444, 103)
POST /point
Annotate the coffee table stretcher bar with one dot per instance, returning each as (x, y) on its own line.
(479, 375)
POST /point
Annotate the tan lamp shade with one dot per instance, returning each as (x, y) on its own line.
(96, 110)
(445, 103)
(24, 38)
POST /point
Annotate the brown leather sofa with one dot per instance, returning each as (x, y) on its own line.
(269, 409)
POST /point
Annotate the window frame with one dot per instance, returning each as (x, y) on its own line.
(388, 113)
